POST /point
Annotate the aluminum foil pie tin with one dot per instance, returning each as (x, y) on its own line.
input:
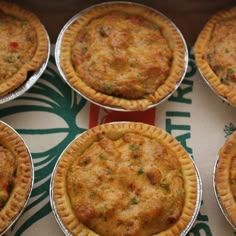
(78, 15)
(224, 212)
(32, 181)
(210, 86)
(67, 233)
(53, 206)
(198, 202)
(28, 82)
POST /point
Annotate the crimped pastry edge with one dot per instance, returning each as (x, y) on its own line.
(171, 33)
(114, 130)
(25, 176)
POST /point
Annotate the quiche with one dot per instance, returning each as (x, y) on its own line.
(16, 176)
(122, 55)
(225, 178)
(215, 53)
(125, 178)
(23, 46)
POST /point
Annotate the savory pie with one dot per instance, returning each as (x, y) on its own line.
(225, 178)
(16, 175)
(125, 179)
(122, 55)
(23, 46)
(215, 52)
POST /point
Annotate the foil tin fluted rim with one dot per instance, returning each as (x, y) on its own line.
(198, 201)
(224, 212)
(75, 17)
(52, 203)
(32, 181)
(67, 233)
(23, 88)
(214, 91)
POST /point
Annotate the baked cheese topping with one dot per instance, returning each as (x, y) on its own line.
(129, 186)
(18, 43)
(122, 55)
(7, 174)
(221, 53)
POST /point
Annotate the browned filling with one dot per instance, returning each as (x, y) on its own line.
(122, 55)
(129, 186)
(18, 43)
(221, 51)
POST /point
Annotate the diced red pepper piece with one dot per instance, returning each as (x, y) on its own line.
(233, 77)
(5, 185)
(136, 20)
(14, 45)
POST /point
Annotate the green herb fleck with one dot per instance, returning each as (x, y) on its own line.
(93, 193)
(217, 69)
(10, 187)
(140, 171)
(107, 87)
(225, 79)
(29, 38)
(134, 146)
(165, 186)
(230, 72)
(155, 27)
(84, 50)
(208, 56)
(134, 201)
(3, 201)
(85, 160)
(9, 59)
(102, 31)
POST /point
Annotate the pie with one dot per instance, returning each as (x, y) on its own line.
(215, 52)
(125, 178)
(122, 55)
(16, 174)
(23, 46)
(225, 178)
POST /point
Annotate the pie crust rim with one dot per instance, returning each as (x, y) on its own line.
(172, 34)
(59, 201)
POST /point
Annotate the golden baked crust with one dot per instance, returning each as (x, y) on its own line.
(123, 55)
(225, 177)
(125, 179)
(215, 52)
(23, 46)
(15, 176)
